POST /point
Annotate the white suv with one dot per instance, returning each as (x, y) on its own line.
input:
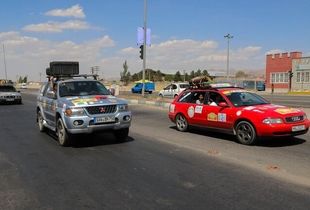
(174, 89)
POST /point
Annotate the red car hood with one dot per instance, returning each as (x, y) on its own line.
(272, 110)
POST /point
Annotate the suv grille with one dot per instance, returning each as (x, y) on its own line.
(101, 109)
(294, 119)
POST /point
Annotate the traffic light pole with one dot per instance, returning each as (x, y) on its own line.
(144, 47)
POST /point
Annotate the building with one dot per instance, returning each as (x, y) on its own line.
(301, 74)
(278, 67)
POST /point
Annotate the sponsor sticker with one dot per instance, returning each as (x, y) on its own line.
(212, 116)
(238, 113)
(222, 117)
(191, 111)
(172, 108)
(198, 109)
(286, 110)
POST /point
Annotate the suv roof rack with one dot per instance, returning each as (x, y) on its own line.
(63, 77)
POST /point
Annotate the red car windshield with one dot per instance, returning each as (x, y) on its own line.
(245, 99)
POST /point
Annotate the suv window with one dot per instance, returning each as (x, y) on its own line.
(174, 87)
(7, 89)
(82, 88)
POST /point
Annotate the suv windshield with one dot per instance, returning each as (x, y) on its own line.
(245, 99)
(82, 88)
(7, 89)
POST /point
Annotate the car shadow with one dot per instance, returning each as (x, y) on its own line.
(93, 140)
(280, 142)
(209, 133)
(262, 142)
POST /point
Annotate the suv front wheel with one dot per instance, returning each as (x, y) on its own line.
(64, 137)
(40, 121)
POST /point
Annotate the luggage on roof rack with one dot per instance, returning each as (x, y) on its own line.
(200, 82)
(58, 68)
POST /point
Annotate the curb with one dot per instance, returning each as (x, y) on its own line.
(150, 103)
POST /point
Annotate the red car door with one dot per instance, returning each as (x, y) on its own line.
(215, 116)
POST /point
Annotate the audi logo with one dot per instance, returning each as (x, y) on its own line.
(295, 118)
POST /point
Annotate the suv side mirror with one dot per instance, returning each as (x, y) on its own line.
(51, 94)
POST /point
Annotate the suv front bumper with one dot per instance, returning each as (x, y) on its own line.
(122, 120)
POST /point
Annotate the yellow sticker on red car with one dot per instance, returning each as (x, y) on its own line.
(212, 117)
(286, 110)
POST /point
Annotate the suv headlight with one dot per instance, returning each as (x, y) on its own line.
(123, 107)
(74, 112)
(272, 121)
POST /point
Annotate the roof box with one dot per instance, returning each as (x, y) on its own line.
(58, 68)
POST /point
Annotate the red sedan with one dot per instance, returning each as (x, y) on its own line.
(235, 110)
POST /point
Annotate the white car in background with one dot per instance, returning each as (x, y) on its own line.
(23, 86)
(173, 89)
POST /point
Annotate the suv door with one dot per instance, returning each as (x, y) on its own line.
(49, 107)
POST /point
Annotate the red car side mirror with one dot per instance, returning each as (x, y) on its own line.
(223, 104)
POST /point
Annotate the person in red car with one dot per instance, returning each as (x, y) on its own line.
(237, 111)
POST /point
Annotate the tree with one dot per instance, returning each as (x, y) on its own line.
(25, 79)
(205, 73)
(20, 79)
(125, 74)
(198, 73)
(192, 75)
(186, 77)
(241, 74)
(177, 76)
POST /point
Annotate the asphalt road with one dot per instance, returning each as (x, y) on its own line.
(157, 168)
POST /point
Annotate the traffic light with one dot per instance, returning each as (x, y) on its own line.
(290, 73)
(141, 52)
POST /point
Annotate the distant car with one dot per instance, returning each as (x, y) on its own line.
(23, 86)
(149, 87)
(8, 94)
(173, 90)
(237, 111)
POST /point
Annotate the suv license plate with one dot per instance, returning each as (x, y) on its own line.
(298, 128)
(104, 119)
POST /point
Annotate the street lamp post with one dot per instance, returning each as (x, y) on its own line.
(144, 47)
(228, 37)
(6, 76)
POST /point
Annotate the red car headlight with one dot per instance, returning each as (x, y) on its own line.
(272, 121)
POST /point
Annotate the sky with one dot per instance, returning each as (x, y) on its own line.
(186, 35)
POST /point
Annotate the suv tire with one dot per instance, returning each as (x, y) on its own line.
(40, 122)
(64, 137)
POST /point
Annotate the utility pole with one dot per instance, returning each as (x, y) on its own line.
(6, 76)
(228, 37)
(144, 47)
